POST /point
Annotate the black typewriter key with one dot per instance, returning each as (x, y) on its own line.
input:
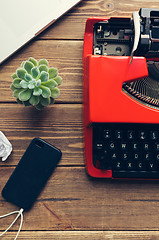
(114, 156)
(135, 146)
(107, 134)
(112, 145)
(157, 146)
(99, 146)
(142, 134)
(118, 134)
(136, 156)
(123, 145)
(130, 166)
(153, 135)
(146, 146)
(157, 157)
(130, 134)
(148, 156)
(140, 166)
(151, 166)
(124, 156)
(118, 165)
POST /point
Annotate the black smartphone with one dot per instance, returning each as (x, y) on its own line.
(31, 173)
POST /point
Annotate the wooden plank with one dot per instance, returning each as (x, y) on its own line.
(85, 235)
(59, 124)
(64, 55)
(73, 201)
(72, 24)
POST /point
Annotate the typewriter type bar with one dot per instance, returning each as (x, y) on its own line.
(115, 36)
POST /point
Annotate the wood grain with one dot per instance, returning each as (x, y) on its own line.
(85, 235)
(64, 55)
(72, 24)
(73, 201)
(72, 205)
(59, 124)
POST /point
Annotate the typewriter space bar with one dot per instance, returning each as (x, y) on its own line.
(135, 174)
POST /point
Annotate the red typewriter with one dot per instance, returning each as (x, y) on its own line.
(121, 96)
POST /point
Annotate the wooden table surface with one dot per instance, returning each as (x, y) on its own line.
(72, 205)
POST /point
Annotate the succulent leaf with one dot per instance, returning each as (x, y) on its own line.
(14, 76)
(44, 101)
(34, 61)
(24, 84)
(44, 76)
(55, 92)
(22, 64)
(38, 83)
(35, 72)
(51, 100)
(37, 91)
(31, 86)
(18, 101)
(50, 84)
(52, 73)
(28, 77)
(58, 79)
(12, 87)
(28, 66)
(39, 106)
(34, 83)
(34, 100)
(16, 92)
(43, 68)
(26, 103)
(16, 83)
(21, 73)
(46, 92)
(25, 95)
(43, 62)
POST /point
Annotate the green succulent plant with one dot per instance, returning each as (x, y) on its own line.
(34, 83)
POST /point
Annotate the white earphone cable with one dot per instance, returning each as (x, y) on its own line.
(19, 213)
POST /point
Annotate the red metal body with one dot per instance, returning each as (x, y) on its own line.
(104, 100)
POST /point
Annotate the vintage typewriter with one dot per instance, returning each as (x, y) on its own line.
(121, 96)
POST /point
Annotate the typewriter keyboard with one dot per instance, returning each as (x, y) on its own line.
(129, 150)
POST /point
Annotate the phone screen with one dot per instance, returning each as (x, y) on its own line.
(31, 173)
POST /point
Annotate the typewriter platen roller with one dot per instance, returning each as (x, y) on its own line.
(121, 93)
